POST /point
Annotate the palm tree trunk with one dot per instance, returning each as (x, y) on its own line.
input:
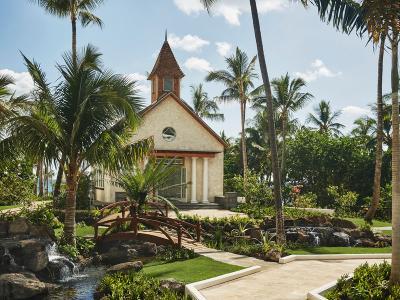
(395, 273)
(379, 138)
(244, 148)
(35, 187)
(46, 180)
(57, 186)
(70, 208)
(40, 166)
(284, 128)
(280, 227)
(73, 24)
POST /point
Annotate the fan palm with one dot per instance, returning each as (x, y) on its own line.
(288, 99)
(203, 106)
(381, 19)
(325, 119)
(75, 10)
(238, 80)
(142, 182)
(90, 116)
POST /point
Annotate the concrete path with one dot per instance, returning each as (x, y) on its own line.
(211, 213)
(290, 281)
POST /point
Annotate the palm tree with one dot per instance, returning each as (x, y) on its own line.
(141, 183)
(203, 106)
(280, 230)
(238, 80)
(90, 116)
(75, 10)
(365, 127)
(379, 18)
(324, 119)
(288, 99)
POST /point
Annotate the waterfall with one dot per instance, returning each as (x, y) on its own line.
(63, 268)
(315, 237)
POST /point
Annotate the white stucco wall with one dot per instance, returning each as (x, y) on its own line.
(190, 136)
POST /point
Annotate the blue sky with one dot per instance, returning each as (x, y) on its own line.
(338, 68)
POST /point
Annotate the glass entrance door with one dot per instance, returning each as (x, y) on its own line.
(175, 187)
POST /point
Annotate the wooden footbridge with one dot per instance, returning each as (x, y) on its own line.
(122, 221)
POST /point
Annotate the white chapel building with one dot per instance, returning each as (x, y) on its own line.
(178, 132)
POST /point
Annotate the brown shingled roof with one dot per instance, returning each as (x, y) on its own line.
(166, 64)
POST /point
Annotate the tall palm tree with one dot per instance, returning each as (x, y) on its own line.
(203, 106)
(90, 116)
(238, 81)
(325, 119)
(280, 230)
(288, 99)
(379, 18)
(76, 10)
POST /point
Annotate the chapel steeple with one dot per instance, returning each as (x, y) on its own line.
(166, 74)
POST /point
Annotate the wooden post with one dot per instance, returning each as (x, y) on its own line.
(118, 224)
(123, 211)
(198, 231)
(134, 224)
(179, 231)
(166, 210)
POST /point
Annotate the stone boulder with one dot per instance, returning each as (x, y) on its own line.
(273, 255)
(126, 267)
(172, 285)
(18, 227)
(365, 242)
(342, 223)
(149, 249)
(20, 286)
(32, 254)
(3, 229)
(42, 232)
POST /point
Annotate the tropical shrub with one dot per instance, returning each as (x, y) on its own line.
(344, 201)
(261, 212)
(368, 282)
(133, 285)
(171, 254)
(40, 215)
(16, 183)
(307, 200)
(256, 191)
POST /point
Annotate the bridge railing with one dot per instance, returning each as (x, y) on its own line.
(160, 223)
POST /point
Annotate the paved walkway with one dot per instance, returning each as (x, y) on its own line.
(290, 281)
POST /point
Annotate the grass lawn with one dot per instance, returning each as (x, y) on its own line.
(338, 250)
(9, 207)
(189, 271)
(82, 230)
(376, 223)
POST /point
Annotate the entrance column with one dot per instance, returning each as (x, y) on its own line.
(205, 180)
(194, 180)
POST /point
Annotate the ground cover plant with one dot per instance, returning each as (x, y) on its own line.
(368, 282)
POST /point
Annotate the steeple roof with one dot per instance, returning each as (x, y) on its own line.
(166, 64)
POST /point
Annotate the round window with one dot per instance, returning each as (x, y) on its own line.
(169, 134)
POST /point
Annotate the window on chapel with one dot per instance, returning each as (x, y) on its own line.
(168, 84)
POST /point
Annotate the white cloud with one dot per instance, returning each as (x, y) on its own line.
(189, 43)
(231, 10)
(223, 48)
(141, 82)
(356, 111)
(23, 82)
(198, 64)
(318, 69)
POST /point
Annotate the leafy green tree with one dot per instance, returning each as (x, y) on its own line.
(90, 116)
(325, 119)
(203, 106)
(238, 81)
(318, 160)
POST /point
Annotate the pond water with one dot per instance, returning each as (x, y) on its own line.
(79, 286)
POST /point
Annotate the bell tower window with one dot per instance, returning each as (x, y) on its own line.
(168, 84)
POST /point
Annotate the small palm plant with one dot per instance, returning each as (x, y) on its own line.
(141, 183)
